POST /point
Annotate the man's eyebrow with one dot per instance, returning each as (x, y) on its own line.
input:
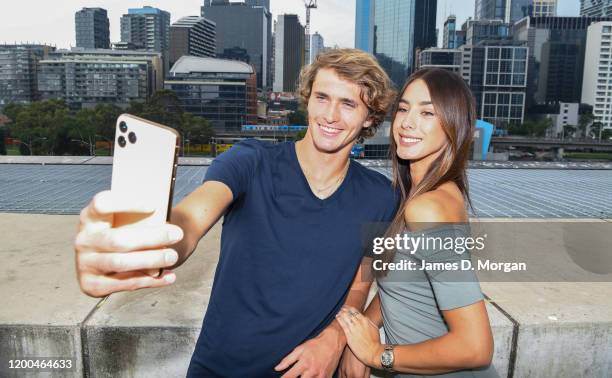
(343, 99)
(348, 100)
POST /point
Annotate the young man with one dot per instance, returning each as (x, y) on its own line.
(290, 245)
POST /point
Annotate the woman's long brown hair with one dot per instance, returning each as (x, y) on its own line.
(455, 108)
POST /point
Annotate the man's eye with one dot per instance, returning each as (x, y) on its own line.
(402, 110)
(349, 104)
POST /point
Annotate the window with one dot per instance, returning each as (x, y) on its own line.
(518, 79)
(520, 53)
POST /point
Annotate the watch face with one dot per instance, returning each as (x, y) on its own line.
(386, 358)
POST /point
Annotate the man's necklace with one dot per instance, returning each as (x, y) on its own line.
(334, 185)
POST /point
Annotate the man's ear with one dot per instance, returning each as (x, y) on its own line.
(367, 123)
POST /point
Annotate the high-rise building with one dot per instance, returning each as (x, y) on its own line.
(544, 8)
(597, 82)
(222, 91)
(19, 72)
(259, 3)
(508, 11)
(451, 37)
(496, 72)
(595, 8)
(448, 59)
(92, 28)
(192, 35)
(364, 25)
(289, 52)
(481, 30)
(86, 77)
(247, 26)
(556, 57)
(401, 28)
(316, 46)
(149, 27)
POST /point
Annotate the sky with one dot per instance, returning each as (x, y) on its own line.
(52, 22)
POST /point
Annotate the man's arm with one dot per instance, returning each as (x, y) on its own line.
(197, 213)
(320, 356)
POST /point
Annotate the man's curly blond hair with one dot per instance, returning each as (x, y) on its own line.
(360, 68)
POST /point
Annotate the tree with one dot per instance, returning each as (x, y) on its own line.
(300, 135)
(195, 129)
(584, 121)
(163, 107)
(299, 117)
(569, 131)
(2, 138)
(594, 129)
(535, 127)
(12, 110)
(41, 126)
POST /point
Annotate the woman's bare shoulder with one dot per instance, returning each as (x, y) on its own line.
(442, 205)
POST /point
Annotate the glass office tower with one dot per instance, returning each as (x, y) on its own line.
(401, 28)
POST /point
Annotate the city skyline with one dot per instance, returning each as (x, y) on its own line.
(46, 25)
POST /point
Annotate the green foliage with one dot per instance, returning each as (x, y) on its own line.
(584, 120)
(165, 107)
(49, 128)
(300, 135)
(569, 131)
(594, 130)
(2, 137)
(299, 117)
(535, 127)
(40, 126)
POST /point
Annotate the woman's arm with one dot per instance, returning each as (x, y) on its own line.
(373, 311)
(467, 345)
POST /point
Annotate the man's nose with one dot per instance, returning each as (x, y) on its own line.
(332, 113)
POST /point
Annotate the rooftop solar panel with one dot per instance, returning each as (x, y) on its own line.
(504, 193)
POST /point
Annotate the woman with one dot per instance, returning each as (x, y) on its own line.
(434, 318)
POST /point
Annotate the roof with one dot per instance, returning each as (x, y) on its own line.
(188, 64)
(189, 21)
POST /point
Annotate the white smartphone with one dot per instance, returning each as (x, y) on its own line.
(144, 168)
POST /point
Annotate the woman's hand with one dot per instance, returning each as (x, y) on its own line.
(362, 336)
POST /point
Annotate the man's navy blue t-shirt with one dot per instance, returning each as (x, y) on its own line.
(287, 257)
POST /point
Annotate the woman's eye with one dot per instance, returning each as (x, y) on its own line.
(402, 110)
(427, 114)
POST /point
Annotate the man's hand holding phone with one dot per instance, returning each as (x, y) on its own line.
(111, 259)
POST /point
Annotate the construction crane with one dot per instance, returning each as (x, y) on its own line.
(309, 4)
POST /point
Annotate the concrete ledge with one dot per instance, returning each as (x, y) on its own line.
(152, 332)
(564, 329)
(541, 329)
(42, 306)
